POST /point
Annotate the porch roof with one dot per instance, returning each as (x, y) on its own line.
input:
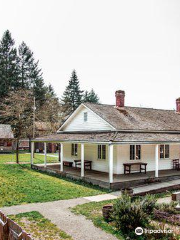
(115, 137)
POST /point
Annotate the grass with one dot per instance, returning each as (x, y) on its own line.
(93, 211)
(39, 227)
(25, 157)
(19, 184)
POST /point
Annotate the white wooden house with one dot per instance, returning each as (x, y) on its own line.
(114, 136)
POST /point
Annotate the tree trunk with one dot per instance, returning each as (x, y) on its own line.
(17, 151)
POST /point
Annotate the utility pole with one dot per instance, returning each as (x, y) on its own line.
(34, 117)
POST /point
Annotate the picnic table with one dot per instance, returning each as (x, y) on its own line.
(128, 167)
(87, 164)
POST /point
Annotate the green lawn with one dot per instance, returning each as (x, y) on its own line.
(39, 227)
(19, 184)
(26, 157)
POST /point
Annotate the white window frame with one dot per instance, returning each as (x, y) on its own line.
(85, 115)
(100, 146)
(74, 149)
(164, 146)
(135, 149)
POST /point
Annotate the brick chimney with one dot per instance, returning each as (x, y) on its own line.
(120, 98)
(178, 105)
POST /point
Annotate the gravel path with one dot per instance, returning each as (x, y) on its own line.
(78, 226)
(59, 213)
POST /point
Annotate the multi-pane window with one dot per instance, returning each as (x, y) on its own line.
(74, 149)
(85, 116)
(135, 152)
(164, 151)
(101, 151)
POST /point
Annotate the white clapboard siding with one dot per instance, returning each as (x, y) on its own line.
(121, 155)
(94, 122)
(147, 156)
(90, 153)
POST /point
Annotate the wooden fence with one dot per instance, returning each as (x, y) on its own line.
(9, 230)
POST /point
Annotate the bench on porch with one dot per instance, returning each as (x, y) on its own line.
(67, 164)
(176, 164)
(87, 164)
(128, 167)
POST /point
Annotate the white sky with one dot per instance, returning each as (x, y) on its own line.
(132, 45)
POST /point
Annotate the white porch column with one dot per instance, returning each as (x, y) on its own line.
(32, 152)
(61, 165)
(45, 154)
(156, 161)
(110, 163)
(82, 160)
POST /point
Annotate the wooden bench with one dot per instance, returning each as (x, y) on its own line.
(87, 164)
(176, 164)
(128, 169)
(67, 164)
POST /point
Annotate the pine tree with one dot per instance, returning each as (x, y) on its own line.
(37, 82)
(91, 97)
(72, 96)
(8, 65)
(25, 61)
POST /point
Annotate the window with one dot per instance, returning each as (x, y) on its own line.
(135, 152)
(85, 116)
(164, 151)
(101, 151)
(74, 149)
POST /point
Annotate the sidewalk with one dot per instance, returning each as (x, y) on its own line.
(78, 226)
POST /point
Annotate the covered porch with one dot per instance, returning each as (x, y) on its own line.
(108, 172)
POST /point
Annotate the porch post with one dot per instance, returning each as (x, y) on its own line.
(59, 152)
(82, 160)
(32, 152)
(110, 163)
(45, 154)
(61, 165)
(156, 160)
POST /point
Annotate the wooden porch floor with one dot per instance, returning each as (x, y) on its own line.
(118, 178)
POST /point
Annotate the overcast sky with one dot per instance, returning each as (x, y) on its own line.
(131, 45)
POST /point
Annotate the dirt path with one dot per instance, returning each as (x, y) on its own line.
(59, 213)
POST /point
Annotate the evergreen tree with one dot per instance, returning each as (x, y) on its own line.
(30, 74)
(37, 82)
(72, 96)
(25, 61)
(8, 65)
(50, 91)
(91, 97)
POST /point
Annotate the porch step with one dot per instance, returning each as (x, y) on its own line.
(157, 187)
(142, 182)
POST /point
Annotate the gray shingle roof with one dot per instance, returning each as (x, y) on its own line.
(112, 137)
(6, 131)
(136, 118)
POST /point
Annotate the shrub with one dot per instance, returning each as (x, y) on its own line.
(170, 207)
(128, 214)
(148, 204)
